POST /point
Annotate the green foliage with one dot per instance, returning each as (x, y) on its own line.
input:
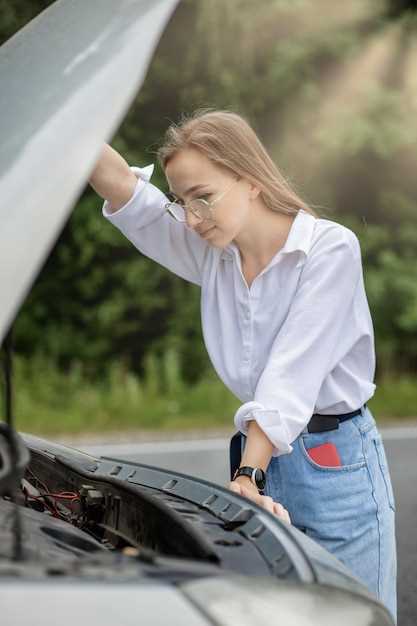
(383, 127)
(49, 402)
(390, 260)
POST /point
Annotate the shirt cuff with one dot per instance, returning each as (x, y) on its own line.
(143, 175)
(270, 422)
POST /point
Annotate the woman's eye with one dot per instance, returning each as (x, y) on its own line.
(173, 198)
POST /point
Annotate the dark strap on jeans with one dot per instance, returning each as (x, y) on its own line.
(235, 453)
(320, 423)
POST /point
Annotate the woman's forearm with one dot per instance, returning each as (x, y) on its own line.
(258, 448)
(257, 453)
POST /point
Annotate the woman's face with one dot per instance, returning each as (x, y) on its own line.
(189, 168)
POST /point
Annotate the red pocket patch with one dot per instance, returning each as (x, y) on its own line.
(326, 454)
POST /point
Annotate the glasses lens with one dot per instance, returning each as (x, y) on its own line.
(199, 208)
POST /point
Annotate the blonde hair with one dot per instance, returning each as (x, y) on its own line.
(229, 141)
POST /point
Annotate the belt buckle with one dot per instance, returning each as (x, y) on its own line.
(325, 423)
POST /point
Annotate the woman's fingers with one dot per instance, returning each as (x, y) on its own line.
(281, 512)
(234, 486)
(265, 502)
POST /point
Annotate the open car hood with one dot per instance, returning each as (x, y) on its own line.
(67, 79)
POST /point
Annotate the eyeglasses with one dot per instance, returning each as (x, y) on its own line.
(199, 207)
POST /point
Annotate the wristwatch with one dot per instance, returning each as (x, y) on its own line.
(256, 474)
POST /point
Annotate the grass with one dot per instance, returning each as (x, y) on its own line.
(48, 402)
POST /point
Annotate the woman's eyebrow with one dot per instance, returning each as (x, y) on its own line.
(191, 189)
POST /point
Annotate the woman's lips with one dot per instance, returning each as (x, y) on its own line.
(207, 232)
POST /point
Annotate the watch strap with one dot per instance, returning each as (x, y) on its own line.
(252, 473)
(244, 471)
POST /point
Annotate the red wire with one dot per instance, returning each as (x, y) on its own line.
(63, 495)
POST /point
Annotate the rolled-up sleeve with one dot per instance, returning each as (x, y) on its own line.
(146, 223)
(310, 342)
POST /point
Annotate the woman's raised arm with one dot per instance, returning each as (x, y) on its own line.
(137, 208)
(113, 179)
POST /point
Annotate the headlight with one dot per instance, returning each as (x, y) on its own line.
(260, 601)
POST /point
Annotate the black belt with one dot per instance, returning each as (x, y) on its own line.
(317, 424)
(320, 423)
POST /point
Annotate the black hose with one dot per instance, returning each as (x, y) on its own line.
(8, 410)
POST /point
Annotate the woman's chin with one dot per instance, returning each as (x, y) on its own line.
(215, 239)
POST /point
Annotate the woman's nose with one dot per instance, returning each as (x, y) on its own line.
(192, 220)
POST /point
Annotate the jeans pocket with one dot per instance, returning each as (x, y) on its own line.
(383, 464)
(343, 443)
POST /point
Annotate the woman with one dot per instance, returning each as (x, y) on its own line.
(286, 324)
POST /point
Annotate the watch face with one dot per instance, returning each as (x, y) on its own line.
(260, 479)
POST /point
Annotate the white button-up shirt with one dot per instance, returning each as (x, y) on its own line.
(298, 341)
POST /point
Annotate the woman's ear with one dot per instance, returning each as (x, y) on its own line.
(254, 191)
(252, 188)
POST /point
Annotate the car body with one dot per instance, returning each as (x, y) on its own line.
(140, 544)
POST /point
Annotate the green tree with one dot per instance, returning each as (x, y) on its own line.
(335, 102)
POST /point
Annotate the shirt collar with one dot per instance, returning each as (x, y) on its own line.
(299, 238)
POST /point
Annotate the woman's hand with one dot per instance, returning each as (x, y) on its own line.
(250, 491)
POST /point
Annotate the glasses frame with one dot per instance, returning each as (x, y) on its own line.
(209, 205)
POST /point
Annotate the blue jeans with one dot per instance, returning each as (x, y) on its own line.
(348, 509)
